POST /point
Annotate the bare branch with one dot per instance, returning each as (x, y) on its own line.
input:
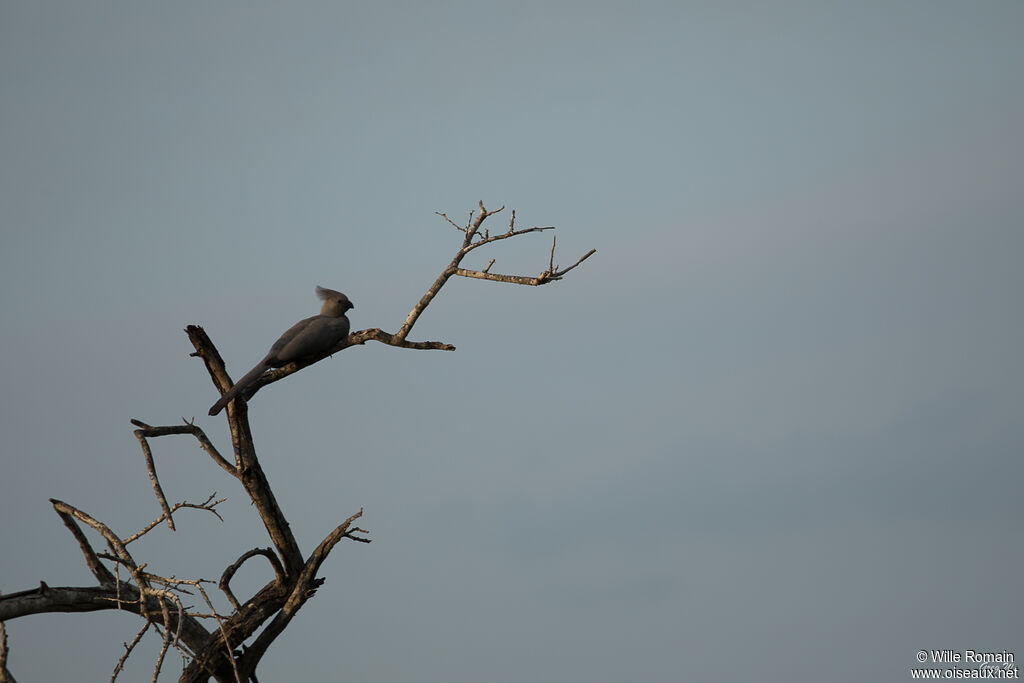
(498, 277)
(303, 588)
(229, 573)
(128, 647)
(153, 479)
(121, 554)
(65, 511)
(5, 675)
(467, 244)
(474, 239)
(557, 274)
(545, 277)
(205, 505)
(457, 226)
(505, 235)
(97, 568)
(187, 428)
(376, 334)
(211, 357)
(123, 596)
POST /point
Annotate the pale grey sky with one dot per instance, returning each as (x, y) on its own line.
(771, 431)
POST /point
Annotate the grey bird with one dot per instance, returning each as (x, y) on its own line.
(304, 340)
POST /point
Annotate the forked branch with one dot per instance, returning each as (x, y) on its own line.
(474, 237)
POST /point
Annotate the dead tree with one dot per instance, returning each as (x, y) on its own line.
(212, 643)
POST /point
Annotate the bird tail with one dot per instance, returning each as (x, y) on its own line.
(239, 386)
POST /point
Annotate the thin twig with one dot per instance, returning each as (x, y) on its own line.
(128, 647)
(557, 274)
(445, 216)
(205, 505)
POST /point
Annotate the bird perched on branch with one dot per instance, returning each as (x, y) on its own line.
(304, 340)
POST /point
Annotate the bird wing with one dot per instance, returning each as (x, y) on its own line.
(310, 337)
